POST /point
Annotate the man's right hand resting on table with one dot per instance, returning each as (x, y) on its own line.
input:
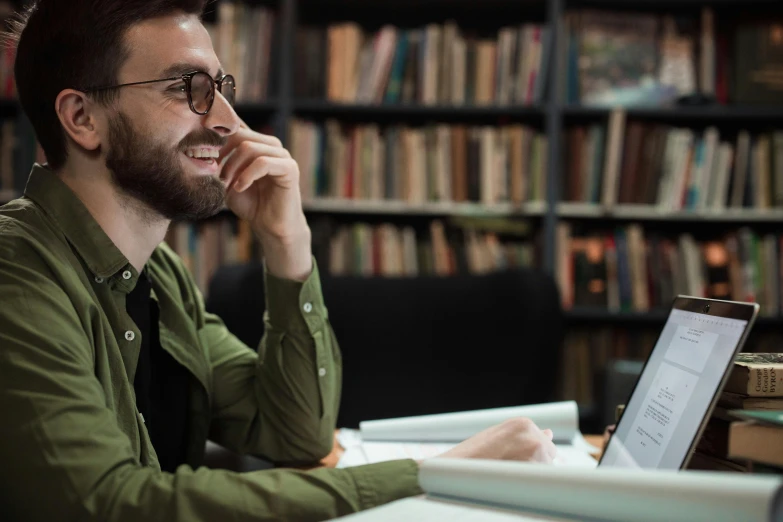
(514, 439)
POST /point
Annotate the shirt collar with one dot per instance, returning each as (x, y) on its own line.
(67, 211)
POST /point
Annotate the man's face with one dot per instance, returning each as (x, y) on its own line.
(153, 134)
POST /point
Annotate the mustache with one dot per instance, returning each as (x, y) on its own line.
(202, 137)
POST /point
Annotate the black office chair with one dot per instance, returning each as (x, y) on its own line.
(619, 380)
(414, 346)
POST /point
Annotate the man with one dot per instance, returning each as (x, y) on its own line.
(112, 374)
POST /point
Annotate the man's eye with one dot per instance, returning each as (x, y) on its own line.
(178, 88)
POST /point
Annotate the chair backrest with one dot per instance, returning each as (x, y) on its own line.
(620, 378)
(413, 346)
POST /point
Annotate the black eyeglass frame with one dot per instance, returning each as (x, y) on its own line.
(187, 78)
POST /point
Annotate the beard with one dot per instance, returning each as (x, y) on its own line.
(152, 176)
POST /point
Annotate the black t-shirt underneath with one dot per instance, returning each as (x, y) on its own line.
(161, 383)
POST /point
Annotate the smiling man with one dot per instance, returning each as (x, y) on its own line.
(112, 374)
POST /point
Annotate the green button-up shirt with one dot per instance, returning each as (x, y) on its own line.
(73, 445)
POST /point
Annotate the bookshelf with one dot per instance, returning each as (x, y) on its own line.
(644, 213)
(685, 113)
(402, 208)
(291, 96)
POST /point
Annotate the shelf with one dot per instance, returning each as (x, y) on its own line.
(535, 209)
(653, 317)
(383, 207)
(649, 213)
(406, 110)
(708, 113)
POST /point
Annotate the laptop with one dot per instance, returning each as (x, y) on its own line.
(679, 384)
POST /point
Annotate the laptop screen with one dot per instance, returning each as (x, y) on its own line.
(674, 391)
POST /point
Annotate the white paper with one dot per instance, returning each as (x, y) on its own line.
(349, 438)
(574, 457)
(606, 493)
(353, 456)
(578, 442)
(439, 510)
(561, 417)
(384, 451)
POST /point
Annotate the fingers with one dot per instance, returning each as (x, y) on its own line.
(244, 135)
(551, 451)
(261, 167)
(245, 154)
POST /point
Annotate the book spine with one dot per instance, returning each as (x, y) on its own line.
(764, 381)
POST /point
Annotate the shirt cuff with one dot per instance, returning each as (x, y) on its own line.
(295, 305)
(385, 482)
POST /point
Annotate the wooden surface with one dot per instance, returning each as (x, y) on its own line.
(331, 460)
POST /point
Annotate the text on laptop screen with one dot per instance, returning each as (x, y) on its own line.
(674, 391)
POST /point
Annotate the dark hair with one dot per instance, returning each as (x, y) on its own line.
(74, 44)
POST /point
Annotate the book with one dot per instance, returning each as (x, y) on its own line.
(757, 375)
(426, 436)
(759, 61)
(759, 438)
(616, 58)
(430, 64)
(671, 169)
(493, 491)
(646, 269)
(739, 401)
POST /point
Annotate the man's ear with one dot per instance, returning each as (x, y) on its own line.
(76, 115)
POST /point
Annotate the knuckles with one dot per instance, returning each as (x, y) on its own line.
(246, 147)
(294, 168)
(518, 424)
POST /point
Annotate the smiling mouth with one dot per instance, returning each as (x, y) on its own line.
(205, 161)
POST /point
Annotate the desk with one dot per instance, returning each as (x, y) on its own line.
(331, 460)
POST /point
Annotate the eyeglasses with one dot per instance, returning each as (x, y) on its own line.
(199, 86)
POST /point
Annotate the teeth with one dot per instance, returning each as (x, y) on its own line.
(202, 153)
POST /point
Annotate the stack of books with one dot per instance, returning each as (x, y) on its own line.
(758, 440)
(754, 391)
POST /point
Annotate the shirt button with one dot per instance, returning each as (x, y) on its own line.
(308, 307)
(321, 371)
(127, 275)
(129, 335)
(99, 280)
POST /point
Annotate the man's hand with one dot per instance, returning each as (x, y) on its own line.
(262, 187)
(514, 439)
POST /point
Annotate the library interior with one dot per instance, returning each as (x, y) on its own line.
(505, 199)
